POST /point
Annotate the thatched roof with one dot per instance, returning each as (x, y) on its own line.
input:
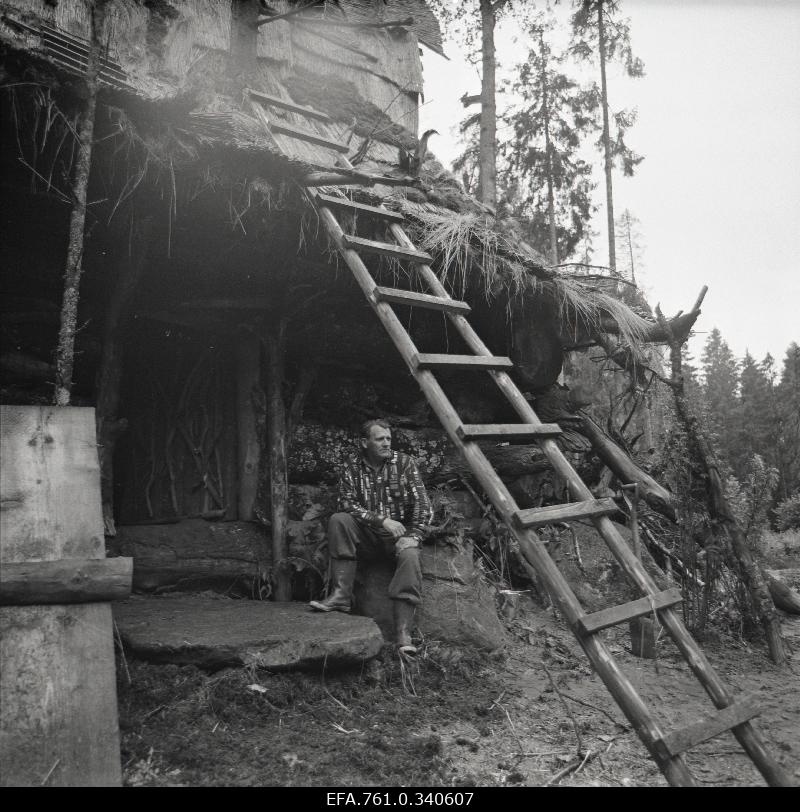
(425, 24)
(178, 51)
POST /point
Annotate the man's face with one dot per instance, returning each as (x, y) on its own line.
(378, 446)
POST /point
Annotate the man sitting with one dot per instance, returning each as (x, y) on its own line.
(383, 509)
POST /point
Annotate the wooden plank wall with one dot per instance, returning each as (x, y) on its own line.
(58, 698)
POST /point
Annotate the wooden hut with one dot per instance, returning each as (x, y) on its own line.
(227, 352)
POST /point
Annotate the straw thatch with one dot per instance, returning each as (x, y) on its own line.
(366, 79)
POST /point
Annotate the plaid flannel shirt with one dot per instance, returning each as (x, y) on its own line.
(394, 491)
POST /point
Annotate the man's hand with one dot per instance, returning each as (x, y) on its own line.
(397, 529)
(404, 543)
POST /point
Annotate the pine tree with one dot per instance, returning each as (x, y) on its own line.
(599, 33)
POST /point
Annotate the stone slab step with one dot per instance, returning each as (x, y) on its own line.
(215, 632)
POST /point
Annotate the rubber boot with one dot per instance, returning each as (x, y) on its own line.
(403, 621)
(343, 575)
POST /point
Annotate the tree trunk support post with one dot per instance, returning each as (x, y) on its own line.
(65, 351)
(278, 478)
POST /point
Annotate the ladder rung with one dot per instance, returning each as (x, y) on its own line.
(386, 249)
(307, 135)
(537, 517)
(409, 297)
(508, 431)
(436, 361)
(272, 101)
(344, 203)
(673, 744)
(589, 624)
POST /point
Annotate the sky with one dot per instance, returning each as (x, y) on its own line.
(718, 194)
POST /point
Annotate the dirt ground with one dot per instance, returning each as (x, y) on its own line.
(534, 715)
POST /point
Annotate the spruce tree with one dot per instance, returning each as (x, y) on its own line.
(789, 416)
(720, 393)
(547, 183)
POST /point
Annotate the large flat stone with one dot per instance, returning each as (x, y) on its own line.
(214, 632)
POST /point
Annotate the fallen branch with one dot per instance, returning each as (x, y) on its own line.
(574, 766)
(599, 710)
(721, 514)
(566, 708)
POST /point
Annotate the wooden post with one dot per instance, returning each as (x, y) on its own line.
(65, 353)
(278, 479)
(229, 444)
(58, 696)
(248, 387)
(109, 426)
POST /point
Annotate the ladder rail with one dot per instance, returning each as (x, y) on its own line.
(634, 708)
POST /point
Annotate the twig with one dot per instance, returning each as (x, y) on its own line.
(534, 755)
(511, 724)
(122, 652)
(594, 707)
(566, 708)
(577, 548)
(573, 765)
(50, 771)
(152, 712)
(585, 759)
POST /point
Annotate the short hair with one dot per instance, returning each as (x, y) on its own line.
(366, 426)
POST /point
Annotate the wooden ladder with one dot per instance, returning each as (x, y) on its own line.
(667, 749)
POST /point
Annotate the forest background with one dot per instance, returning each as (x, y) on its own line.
(717, 185)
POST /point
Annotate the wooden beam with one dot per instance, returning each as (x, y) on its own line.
(356, 179)
(345, 203)
(571, 511)
(307, 135)
(414, 299)
(508, 431)
(337, 179)
(342, 43)
(682, 740)
(406, 21)
(273, 101)
(386, 249)
(605, 618)
(426, 360)
(69, 580)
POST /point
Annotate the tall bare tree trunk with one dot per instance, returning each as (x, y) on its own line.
(65, 352)
(278, 475)
(720, 510)
(109, 378)
(612, 254)
(487, 166)
(551, 206)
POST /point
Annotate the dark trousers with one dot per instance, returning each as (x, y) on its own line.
(348, 539)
